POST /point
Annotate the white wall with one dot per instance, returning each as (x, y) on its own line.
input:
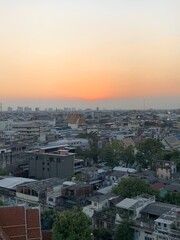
(27, 197)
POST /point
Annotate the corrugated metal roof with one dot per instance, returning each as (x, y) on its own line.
(12, 182)
(127, 203)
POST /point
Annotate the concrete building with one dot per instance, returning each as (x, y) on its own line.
(38, 191)
(48, 162)
(158, 221)
(77, 143)
(167, 226)
(45, 119)
(12, 154)
(8, 185)
(133, 206)
(165, 169)
(27, 130)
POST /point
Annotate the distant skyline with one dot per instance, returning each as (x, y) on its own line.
(124, 104)
(107, 54)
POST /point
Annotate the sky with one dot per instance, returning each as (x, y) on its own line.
(88, 53)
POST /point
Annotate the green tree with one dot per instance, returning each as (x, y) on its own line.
(1, 203)
(102, 234)
(151, 150)
(176, 197)
(4, 172)
(141, 162)
(108, 156)
(130, 187)
(112, 153)
(47, 219)
(71, 225)
(173, 156)
(123, 231)
(93, 151)
(128, 156)
(172, 198)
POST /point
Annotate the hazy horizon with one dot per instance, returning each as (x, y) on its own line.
(124, 104)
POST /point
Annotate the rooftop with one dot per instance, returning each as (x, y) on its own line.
(20, 222)
(100, 198)
(127, 203)
(157, 208)
(123, 169)
(105, 190)
(12, 182)
(44, 184)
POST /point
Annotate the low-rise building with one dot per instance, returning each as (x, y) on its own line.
(165, 169)
(171, 143)
(38, 191)
(167, 226)
(48, 162)
(27, 130)
(78, 192)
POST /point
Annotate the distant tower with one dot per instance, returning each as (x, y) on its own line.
(0, 107)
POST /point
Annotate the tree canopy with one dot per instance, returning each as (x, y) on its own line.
(149, 151)
(132, 187)
(93, 151)
(173, 156)
(103, 234)
(71, 225)
(123, 232)
(47, 219)
(114, 152)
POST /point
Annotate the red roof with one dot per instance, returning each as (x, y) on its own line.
(158, 185)
(19, 222)
(46, 235)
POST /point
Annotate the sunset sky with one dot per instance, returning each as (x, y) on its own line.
(84, 53)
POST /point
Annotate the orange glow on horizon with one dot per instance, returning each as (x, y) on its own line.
(54, 51)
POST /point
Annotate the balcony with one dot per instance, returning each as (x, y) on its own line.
(144, 224)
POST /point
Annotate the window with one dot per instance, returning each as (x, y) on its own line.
(100, 224)
(165, 225)
(148, 238)
(109, 225)
(136, 234)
